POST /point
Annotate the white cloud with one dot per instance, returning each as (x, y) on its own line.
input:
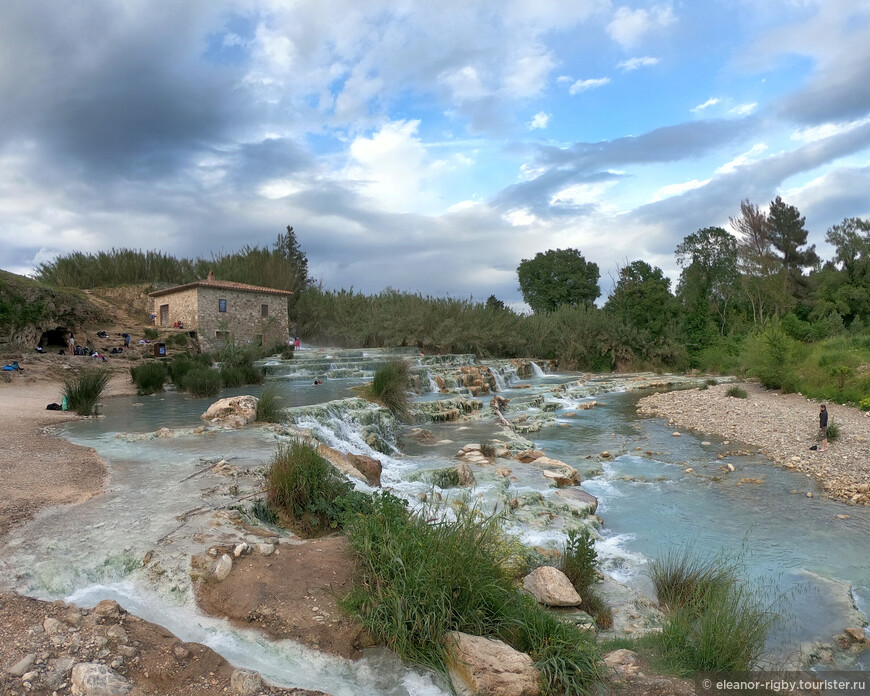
(707, 104)
(527, 75)
(540, 120)
(628, 26)
(635, 63)
(583, 85)
(743, 159)
(581, 194)
(521, 217)
(826, 130)
(677, 189)
(743, 109)
(464, 83)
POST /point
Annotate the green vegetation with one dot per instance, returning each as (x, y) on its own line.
(177, 340)
(715, 621)
(83, 391)
(389, 387)
(558, 277)
(832, 432)
(260, 510)
(149, 377)
(180, 365)
(423, 575)
(580, 564)
(487, 449)
(269, 409)
(736, 392)
(307, 490)
(202, 381)
(151, 334)
(231, 376)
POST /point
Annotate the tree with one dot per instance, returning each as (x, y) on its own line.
(492, 302)
(558, 277)
(757, 263)
(642, 298)
(287, 247)
(845, 291)
(709, 282)
(851, 242)
(787, 235)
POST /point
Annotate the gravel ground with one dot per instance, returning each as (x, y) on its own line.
(783, 427)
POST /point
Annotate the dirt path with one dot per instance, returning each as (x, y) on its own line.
(783, 427)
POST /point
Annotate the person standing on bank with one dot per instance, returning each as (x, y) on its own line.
(823, 427)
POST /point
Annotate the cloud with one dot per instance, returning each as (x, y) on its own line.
(635, 63)
(826, 130)
(712, 101)
(582, 85)
(628, 26)
(743, 109)
(742, 160)
(539, 120)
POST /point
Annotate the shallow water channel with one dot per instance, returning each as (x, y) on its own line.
(798, 547)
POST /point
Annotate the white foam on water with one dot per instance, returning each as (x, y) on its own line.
(616, 560)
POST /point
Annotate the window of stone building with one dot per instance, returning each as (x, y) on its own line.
(264, 311)
(222, 305)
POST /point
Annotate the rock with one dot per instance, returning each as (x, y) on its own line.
(489, 667)
(369, 467)
(234, 411)
(856, 635)
(705, 443)
(690, 470)
(809, 494)
(579, 497)
(561, 479)
(466, 476)
(21, 667)
(240, 550)
(117, 634)
(624, 661)
(551, 587)
(729, 466)
(58, 672)
(341, 461)
(606, 455)
(223, 567)
(245, 682)
(528, 456)
(94, 679)
(107, 609)
(180, 651)
(265, 549)
(421, 435)
(52, 626)
(675, 434)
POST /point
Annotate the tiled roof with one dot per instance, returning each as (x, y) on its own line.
(221, 285)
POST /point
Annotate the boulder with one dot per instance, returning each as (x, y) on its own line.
(233, 412)
(369, 467)
(107, 609)
(423, 436)
(349, 464)
(245, 682)
(551, 587)
(560, 478)
(223, 567)
(94, 679)
(623, 661)
(577, 497)
(23, 665)
(528, 456)
(856, 635)
(556, 464)
(489, 667)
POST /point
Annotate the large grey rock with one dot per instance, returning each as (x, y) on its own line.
(245, 682)
(58, 672)
(94, 679)
(551, 587)
(579, 498)
(234, 411)
(487, 667)
(223, 567)
(21, 667)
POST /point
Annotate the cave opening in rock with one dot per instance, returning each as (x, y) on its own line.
(54, 338)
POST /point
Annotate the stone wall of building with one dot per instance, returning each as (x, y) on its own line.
(243, 319)
(182, 307)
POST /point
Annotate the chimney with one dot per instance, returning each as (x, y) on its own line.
(211, 275)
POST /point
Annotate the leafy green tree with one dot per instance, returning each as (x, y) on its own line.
(492, 302)
(788, 235)
(709, 284)
(642, 298)
(851, 242)
(558, 277)
(287, 248)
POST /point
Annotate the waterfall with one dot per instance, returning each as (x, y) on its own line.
(499, 379)
(536, 369)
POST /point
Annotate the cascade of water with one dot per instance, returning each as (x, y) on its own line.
(536, 369)
(433, 385)
(499, 379)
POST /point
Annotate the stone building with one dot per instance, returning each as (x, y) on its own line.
(221, 309)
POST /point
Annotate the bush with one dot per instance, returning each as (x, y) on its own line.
(260, 510)
(149, 378)
(232, 376)
(178, 340)
(180, 365)
(580, 564)
(680, 577)
(865, 404)
(711, 382)
(832, 432)
(151, 334)
(202, 381)
(487, 449)
(423, 575)
(306, 489)
(84, 390)
(269, 409)
(736, 392)
(389, 387)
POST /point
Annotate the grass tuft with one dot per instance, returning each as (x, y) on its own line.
(149, 377)
(736, 392)
(579, 562)
(832, 432)
(487, 449)
(269, 409)
(389, 387)
(202, 381)
(84, 390)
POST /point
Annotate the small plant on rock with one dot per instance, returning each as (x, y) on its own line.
(736, 392)
(487, 449)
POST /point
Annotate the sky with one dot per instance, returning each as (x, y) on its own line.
(425, 146)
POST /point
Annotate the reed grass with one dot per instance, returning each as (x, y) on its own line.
(202, 381)
(269, 408)
(390, 386)
(149, 377)
(83, 391)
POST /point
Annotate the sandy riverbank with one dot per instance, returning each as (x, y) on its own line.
(783, 427)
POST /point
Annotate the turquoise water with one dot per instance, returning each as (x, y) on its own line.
(797, 546)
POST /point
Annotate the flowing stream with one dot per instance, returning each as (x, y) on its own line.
(802, 549)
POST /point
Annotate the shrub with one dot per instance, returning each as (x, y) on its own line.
(151, 334)
(231, 376)
(269, 408)
(736, 392)
(84, 390)
(202, 381)
(832, 432)
(149, 377)
(260, 510)
(580, 564)
(287, 352)
(307, 489)
(180, 365)
(865, 404)
(178, 340)
(711, 382)
(252, 374)
(487, 449)
(679, 577)
(423, 575)
(389, 387)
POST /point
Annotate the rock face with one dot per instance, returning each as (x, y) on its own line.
(549, 586)
(233, 412)
(94, 679)
(489, 667)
